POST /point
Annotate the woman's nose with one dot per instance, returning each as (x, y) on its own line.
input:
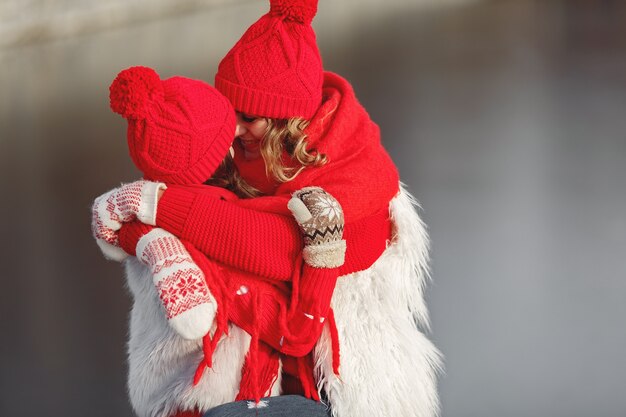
(239, 130)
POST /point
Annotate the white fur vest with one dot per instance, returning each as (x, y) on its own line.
(388, 367)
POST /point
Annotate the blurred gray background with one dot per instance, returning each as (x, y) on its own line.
(506, 118)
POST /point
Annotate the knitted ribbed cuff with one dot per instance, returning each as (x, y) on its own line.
(149, 197)
(258, 102)
(174, 207)
(111, 252)
(130, 233)
(316, 290)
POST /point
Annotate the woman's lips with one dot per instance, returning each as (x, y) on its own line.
(251, 148)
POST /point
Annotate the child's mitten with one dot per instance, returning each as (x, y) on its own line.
(137, 200)
(120, 205)
(180, 283)
(320, 217)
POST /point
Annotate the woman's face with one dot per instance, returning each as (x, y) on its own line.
(249, 132)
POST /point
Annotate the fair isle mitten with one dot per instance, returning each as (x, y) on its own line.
(189, 305)
(320, 218)
(121, 205)
(137, 200)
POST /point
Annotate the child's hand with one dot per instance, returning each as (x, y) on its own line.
(321, 220)
(121, 205)
(180, 283)
(137, 200)
(105, 229)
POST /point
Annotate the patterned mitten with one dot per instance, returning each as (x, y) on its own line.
(180, 283)
(321, 220)
(120, 205)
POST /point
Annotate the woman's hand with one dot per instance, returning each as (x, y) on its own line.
(321, 220)
(137, 200)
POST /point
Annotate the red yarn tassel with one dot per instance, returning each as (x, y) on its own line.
(254, 349)
(216, 279)
(304, 380)
(250, 383)
(334, 337)
(295, 283)
(208, 347)
(305, 374)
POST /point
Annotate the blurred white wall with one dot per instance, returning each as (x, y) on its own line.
(505, 118)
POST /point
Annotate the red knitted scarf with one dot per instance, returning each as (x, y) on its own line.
(361, 175)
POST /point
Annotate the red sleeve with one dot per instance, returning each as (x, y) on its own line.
(316, 290)
(129, 235)
(306, 324)
(258, 242)
(265, 309)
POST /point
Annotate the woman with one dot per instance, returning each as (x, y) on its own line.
(300, 126)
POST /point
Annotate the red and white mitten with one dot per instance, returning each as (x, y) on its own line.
(180, 283)
(321, 220)
(121, 205)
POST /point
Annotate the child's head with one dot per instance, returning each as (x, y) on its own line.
(179, 129)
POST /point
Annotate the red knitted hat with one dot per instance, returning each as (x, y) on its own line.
(275, 70)
(179, 129)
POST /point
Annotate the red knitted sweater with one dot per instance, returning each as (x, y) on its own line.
(258, 237)
(360, 175)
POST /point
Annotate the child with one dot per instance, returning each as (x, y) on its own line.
(290, 112)
(179, 131)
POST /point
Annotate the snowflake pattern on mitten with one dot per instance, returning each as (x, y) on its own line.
(189, 306)
(321, 220)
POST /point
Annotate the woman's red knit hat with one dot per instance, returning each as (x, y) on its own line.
(179, 129)
(275, 70)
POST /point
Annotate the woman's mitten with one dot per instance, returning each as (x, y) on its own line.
(180, 283)
(321, 220)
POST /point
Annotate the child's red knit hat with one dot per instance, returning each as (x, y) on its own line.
(179, 129)
(275, 70)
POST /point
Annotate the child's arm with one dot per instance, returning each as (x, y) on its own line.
(259, 242)
(189, 305)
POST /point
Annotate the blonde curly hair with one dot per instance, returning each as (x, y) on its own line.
(288, 134)
(280, 135)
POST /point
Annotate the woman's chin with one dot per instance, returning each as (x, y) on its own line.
(251, 154)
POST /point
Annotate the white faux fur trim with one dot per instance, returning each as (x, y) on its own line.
(388, 367)
(149, 198)
(162, 364)
(110, 252)
(325, 255)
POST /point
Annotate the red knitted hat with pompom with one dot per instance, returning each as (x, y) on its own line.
(179, 129)
(275, 70)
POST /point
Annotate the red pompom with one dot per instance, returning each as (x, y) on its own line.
(302, 11)
(133, 90)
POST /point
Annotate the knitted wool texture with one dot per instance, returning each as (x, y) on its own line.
(178, 132)
(360, 175)
(248, 242)
(179, 129)
(275, 69)
(244, 239)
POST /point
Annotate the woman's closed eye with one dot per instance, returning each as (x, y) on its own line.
(247, 118)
